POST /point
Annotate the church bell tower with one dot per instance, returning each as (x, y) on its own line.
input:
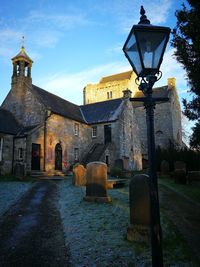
(22, 64)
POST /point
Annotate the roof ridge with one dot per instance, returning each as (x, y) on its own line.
(110, 100)
(59, 97)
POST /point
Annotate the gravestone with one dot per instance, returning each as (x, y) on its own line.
(180, 172)
(179, 165)
(193, 176)
(19, 170)
(119, 164)
(79, 175)
(180, 176)
(96, 182)
(164, 167)
(139, 200)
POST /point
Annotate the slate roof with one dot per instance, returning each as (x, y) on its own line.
(99, 112)
(117, 77)
(8, 123)
(162, 91)
(26, 130)
(58, 105)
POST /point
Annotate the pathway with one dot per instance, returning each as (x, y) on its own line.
(31, 232)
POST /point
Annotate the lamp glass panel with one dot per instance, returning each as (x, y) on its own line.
(131, 51)
(151, 46)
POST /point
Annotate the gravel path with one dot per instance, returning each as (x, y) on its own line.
(31, 232)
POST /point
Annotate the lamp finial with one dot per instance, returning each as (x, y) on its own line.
(143, 18)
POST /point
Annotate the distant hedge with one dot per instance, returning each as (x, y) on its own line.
(172, 154)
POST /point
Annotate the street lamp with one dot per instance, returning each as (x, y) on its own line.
(144, 49)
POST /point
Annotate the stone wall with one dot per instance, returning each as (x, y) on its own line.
(36, 136)
(127, 135)
(176, 117)
(163, 128)
(24, 104)
(102, 91)
(167, 122)
(7, 155)
(60, 130)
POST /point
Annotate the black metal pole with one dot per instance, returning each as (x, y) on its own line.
(156, 234)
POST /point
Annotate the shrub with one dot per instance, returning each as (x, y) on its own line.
(172, 154)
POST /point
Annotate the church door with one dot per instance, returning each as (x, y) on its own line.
(35, 162)
(58, 157)
(107, 133)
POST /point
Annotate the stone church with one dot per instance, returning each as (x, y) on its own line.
(42, 132)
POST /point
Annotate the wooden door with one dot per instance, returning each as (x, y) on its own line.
(35, 162)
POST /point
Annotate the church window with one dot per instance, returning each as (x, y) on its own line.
(20, 153)
(94, 131)
(76, 154)
(108, 95)
(1, 148)
(76, 129)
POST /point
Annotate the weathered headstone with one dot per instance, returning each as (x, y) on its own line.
(180, 176)
(119, 164)
(164, 167)
(79, 175)
(96, 185)
(179, 165)
(139, 199)
(193, 176)
(19, 170)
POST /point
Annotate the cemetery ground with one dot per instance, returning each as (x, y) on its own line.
(47, 223)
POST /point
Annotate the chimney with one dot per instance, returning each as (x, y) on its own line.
(127, 93)
(171, 82)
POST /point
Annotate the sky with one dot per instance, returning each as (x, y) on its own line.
(76, 42)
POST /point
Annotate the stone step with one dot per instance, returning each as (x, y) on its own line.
(37, 173)
(41, 174)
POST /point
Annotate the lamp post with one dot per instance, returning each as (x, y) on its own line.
(144, 49)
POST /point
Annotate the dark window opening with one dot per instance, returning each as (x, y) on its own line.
(107, 133)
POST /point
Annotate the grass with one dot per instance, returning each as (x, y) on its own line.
(191, 191)
(13, 178)
(175, 247)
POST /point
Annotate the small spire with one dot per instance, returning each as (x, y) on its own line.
(143, 18)
(22, 48)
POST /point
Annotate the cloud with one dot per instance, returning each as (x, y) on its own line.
(171, 68)
(157, 12)
(66, 21)
(70, 86)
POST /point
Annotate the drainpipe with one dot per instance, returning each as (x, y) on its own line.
(13, 151)
(47, 115)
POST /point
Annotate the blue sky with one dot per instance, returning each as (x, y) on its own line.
(76, 42)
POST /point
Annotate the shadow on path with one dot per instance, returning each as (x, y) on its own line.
(31, 232)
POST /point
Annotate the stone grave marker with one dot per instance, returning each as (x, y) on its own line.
(79, 175)
(180, 176)
(179, 165)
(19, 170)
(164, 167)
(139, 200)
(96, 184)
(119, 164)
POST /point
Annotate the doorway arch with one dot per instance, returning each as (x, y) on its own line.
(58, 157)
